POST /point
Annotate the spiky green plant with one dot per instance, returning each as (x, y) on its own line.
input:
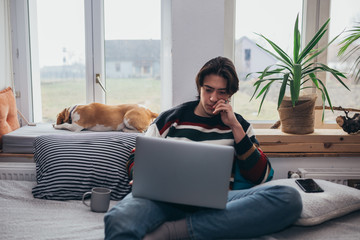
(353, 35)
(295, 72)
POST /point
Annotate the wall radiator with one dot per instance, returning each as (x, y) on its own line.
(17, 171)
(345, 176)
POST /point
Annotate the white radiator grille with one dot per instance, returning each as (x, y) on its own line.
(345, 176)
(18, 171)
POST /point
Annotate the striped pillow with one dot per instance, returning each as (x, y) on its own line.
(67, 166)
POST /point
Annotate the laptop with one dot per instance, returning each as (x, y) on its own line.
(183, 172)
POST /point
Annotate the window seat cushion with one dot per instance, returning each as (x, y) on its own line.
(22, 139)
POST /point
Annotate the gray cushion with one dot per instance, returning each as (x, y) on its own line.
(336, 200)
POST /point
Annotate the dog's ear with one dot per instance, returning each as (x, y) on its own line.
(62, 117)
(153, 115)
(67, 115)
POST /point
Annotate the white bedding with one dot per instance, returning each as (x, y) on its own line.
(24, 217)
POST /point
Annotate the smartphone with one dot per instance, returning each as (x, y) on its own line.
(309, 185)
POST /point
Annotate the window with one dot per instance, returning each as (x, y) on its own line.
(73, 41)
(343, 16)
(58, 55)
(272, 21)
(132, 39)
(120, 24)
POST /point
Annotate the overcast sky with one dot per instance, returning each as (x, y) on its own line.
(61, 22)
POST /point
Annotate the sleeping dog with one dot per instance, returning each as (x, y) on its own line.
(102, 117)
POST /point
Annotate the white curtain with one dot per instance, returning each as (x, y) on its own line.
(5, 46)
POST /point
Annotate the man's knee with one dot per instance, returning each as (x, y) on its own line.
(292, 200)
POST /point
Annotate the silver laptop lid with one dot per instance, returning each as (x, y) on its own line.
(182, 172)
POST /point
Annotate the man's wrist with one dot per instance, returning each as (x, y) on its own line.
(238, 132)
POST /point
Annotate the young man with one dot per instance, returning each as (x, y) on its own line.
(250, 212)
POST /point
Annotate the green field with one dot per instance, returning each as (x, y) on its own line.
(57, 95)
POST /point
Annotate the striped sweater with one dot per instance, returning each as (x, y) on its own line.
(250, 167)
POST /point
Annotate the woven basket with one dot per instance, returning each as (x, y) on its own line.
(299, 119)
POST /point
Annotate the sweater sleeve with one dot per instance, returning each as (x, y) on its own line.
(253, 164)
(151, 132)
(130, 164)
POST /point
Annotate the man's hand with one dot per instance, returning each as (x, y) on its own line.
(228, 118)
(227, 114)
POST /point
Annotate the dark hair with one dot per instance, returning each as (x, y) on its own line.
(222, 67)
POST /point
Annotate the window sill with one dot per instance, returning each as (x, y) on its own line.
(323, 142)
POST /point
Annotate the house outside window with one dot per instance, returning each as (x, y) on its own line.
(249, 58)
(117, 67)
(247, 55)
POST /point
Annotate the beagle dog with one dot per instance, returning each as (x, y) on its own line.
(102, 117)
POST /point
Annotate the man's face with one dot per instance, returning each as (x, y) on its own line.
(213, 89)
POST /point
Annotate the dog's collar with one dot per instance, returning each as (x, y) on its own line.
(70, 114)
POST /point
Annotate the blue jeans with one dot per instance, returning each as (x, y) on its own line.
(249, 213)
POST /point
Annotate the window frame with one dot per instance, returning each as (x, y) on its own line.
(25, 63)
(21, 57)
(315, 12)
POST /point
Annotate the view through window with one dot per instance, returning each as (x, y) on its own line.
(344, 15)
(271, 21)
(274, 23)
(132, 52)
(61, 54)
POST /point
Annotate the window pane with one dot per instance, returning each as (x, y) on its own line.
(344, 14)
(132, 52)
(277, 25)
(61, 54)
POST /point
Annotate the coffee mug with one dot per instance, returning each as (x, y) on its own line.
(100, 199)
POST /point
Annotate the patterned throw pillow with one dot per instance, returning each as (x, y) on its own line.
(67, 166)
(8, 113)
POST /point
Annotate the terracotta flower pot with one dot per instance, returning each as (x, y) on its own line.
(299, 119)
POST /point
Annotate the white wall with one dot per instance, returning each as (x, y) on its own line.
(5, 47)
(194, 34)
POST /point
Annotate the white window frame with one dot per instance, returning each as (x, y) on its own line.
(25, 62)
(315, 13)
(21, 57)
(94, 50)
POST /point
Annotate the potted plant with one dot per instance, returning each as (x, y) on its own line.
(295, 74)
(350, 39)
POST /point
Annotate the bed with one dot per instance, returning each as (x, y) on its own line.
(69, 165)
(25, 217)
